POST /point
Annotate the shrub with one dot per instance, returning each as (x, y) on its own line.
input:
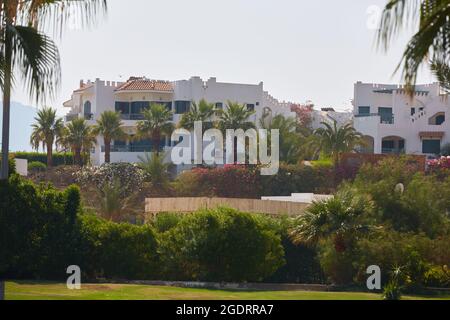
(36, 230)
(163, 222)
(392, 291)
(220, 245)
(37, 166)
(130, 176)
(59, 159)
(118, 251)
(438, 277)
(11, 166)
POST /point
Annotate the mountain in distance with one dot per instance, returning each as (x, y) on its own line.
(22, 117)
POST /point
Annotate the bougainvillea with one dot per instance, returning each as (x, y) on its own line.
(304, 113)
(439, 166)
(130, 176)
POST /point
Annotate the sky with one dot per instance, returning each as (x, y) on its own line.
(301, 50)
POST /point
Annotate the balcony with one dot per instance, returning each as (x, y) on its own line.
(384, 118)
(131, 116)
(392, 151)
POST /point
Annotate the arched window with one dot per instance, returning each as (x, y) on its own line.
(87, 110)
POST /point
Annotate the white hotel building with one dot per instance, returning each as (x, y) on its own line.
(393, 122)
(131, 97)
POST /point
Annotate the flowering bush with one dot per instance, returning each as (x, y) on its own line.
(130, 176)
(304, 113)
(439, 164)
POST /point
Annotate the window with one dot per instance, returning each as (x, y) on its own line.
(431, 146)
(182, 107)
(87, 109)
(364, 110)
(138, 106)
(123, 107)
(386, 115)
(219, 105)
(440, 119)
(413, 111)
(250, 107)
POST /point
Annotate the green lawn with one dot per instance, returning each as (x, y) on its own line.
(56, 291)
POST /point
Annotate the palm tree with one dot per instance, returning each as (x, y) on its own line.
(334, 140)
(442, 72)
(110, 127)
(431, 38)
(47, 130)
(340, 218)
(203, 111)
(156, 168)
(291, 141)
(157, 122)
(79, 137)
(30, 54)
(235, 116)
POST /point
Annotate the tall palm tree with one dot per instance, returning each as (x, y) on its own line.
(47, 130)
(235, 116)
(156, 123)
(335, 140)
(78, 135)
(110, 127)
(203, 111)
(27, 52)
(431, 40)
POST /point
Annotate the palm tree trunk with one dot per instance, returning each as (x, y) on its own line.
(77, 156)
(156, 142)
(6, 107)
(49, 155)
(107, 150)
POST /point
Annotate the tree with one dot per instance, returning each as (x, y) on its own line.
(334, 140)
(47, 130)
(340, 218)
(291, 141)
(432, 17)
(79, 137)
(442, 72)
(235, 116)
(30, 54)
(157, 122)
(110, 127)
(203, 111)
(155, 167)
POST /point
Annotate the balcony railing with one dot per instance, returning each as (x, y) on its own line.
(130, 148)
(384, 119)
(392, 151)
(132, 116)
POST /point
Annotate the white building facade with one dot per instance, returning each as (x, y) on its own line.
(394, 122)
(132, 97)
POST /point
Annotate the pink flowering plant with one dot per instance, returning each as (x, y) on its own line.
(439, 164)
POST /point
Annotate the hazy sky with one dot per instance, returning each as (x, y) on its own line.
(301, 50)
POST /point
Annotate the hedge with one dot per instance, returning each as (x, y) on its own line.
(59, 159)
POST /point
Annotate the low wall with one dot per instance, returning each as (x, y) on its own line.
(187, 205)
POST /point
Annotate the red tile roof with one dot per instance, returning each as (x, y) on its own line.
(143, 84)
(431, 134)
(84, 87)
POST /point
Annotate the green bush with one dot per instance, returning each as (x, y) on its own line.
(438, 277)
(11, 166)
(392, 291)
(37, 234)
(59, 159)
(220, 245)
(118, 251)
(37, 166)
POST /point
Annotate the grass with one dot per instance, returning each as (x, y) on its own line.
(56, 291)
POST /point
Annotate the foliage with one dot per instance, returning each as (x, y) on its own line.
(334, 140)
(78, 137)
(130, 176)
(203, 111)
(118, 251)
(59, 159)
(437, 277)
(156, 169)
(304, 113)
(220, 245)
(235, 116)
(110, 127)
(445, 150)
(37, 166)
(392, 291)
(429, 42)
(11, 165)
(156, 123)
(47, 130)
